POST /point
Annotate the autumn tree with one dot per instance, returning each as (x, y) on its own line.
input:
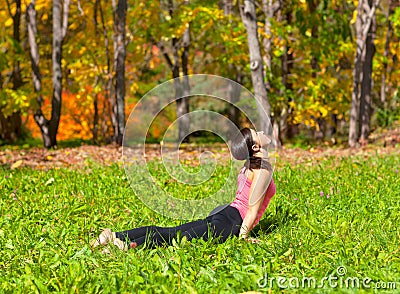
(11, 123)
(118, 105)
(386, 51)
(248, 14)
(285, 16)
(179, 63)
(103, 77)
(389, 57)
(234, 72)
(270, 9)
(362, 72)
(98, 74)
(305, 55)
(49, 127)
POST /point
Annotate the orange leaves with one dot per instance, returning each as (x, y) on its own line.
(76, 117)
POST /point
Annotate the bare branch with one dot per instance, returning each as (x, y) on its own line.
(369, 21)
(165, 54)
(64, 27)
(80, 8)
(170, 7)
(275, 7)
(366, 7)
(366, 28)
(9, 8)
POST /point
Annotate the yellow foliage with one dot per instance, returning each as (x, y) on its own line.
(324, 111)
(43, 5)
(354, 18)
(82, 50)
(8, 23)
(73, 26)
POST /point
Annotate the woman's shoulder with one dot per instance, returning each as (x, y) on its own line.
(259, 173)
(249, 174)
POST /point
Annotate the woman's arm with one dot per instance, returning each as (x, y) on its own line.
(256, 198)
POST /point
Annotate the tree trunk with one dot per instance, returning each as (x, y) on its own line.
(60, 25)
(233, 89)
(48, 128)
(248, 14)
(366, 86)
(234, 96)
(269, 9)
(353, 136)
(286, 131)
(57, 72)
(119, 65)
(333, 127)
(389, 30)
(113, 102)
(40, 120)
(182, 88)
(16, 74)
(312, 7)
(183, 105)
(95, 129)
(227, 5)
(321, 123)
(11, 126)
(365, 14)
(108, 83)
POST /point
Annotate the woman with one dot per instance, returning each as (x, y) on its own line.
(238, 219)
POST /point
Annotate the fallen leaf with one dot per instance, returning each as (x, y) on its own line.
(49, 181)
(16, 164)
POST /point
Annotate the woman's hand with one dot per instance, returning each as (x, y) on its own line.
(243, 232)
(249, 240)
(253, 240)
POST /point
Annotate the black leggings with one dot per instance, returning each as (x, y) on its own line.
(221, 225)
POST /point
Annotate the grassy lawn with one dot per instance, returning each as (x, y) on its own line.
(336, 219)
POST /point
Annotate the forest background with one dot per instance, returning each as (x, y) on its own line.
(70, 73)
(75, 69)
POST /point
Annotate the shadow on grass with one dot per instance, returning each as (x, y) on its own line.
(270, 222)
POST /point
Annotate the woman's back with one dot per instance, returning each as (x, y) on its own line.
(241, 201)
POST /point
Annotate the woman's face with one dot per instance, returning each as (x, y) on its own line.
(260, 139)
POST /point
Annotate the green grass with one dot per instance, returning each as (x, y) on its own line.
(48, 218)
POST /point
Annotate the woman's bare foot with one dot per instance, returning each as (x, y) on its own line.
(120, 244)
(106, 237)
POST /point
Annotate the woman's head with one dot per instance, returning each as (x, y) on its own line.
(260, 140)
(247, 145)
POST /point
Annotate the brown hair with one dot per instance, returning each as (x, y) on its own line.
(242, 149)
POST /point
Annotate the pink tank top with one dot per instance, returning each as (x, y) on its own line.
(241, 201)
